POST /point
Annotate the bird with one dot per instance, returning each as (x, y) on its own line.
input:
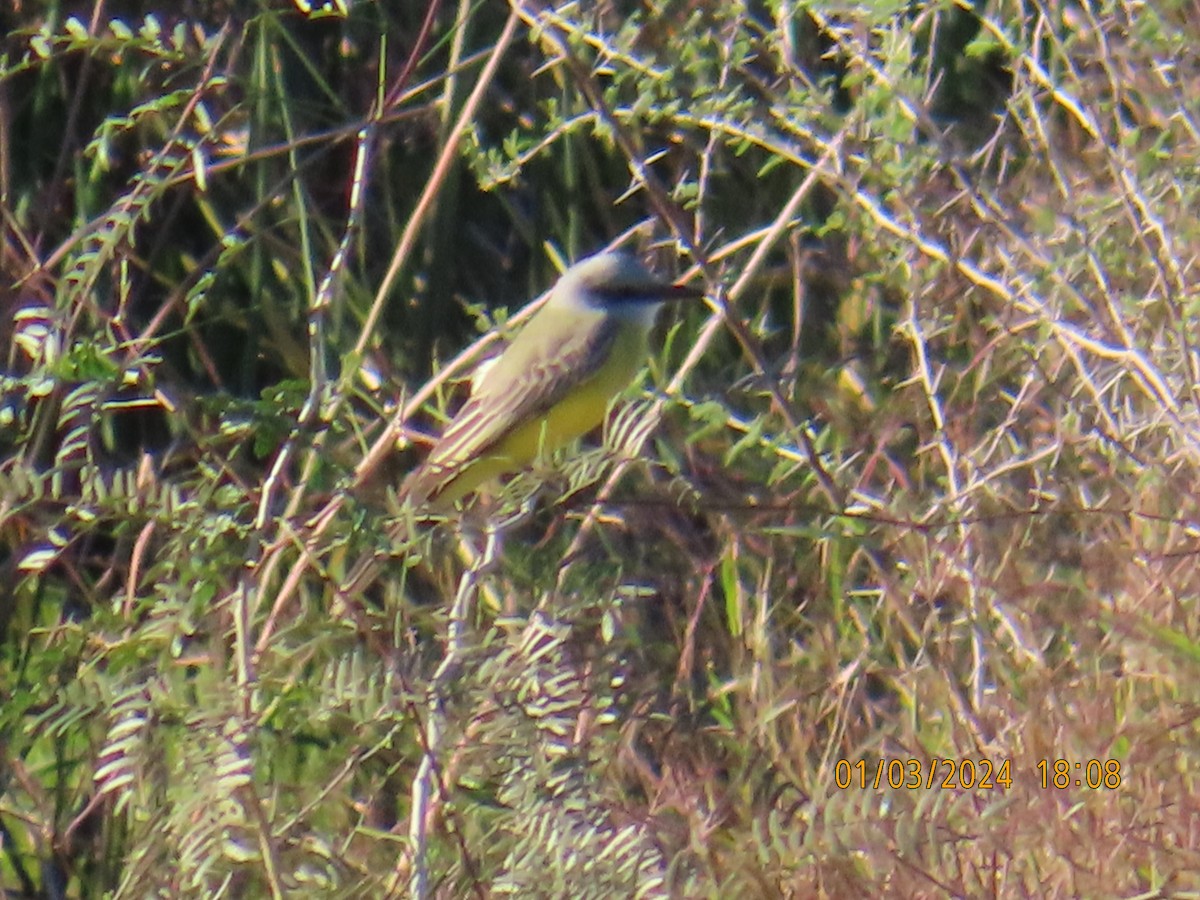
(553, 383)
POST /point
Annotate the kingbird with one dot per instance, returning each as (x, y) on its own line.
(553, 383)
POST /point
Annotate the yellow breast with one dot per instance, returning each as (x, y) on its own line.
(577, 413)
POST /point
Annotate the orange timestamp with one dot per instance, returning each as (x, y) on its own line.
(1092, 773)
(913, 774)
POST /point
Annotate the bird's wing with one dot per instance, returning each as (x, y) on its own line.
(527, 379)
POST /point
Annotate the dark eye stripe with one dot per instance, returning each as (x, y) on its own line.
(639, 294)
(623, 293)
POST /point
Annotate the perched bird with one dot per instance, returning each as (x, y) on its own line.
(553, 383)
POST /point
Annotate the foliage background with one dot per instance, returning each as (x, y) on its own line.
(921, 485)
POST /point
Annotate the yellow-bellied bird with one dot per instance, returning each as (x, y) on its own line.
(554, 382)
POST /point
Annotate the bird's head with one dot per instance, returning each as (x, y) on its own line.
(616, 283)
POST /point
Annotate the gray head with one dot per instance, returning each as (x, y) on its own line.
(617, 283)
